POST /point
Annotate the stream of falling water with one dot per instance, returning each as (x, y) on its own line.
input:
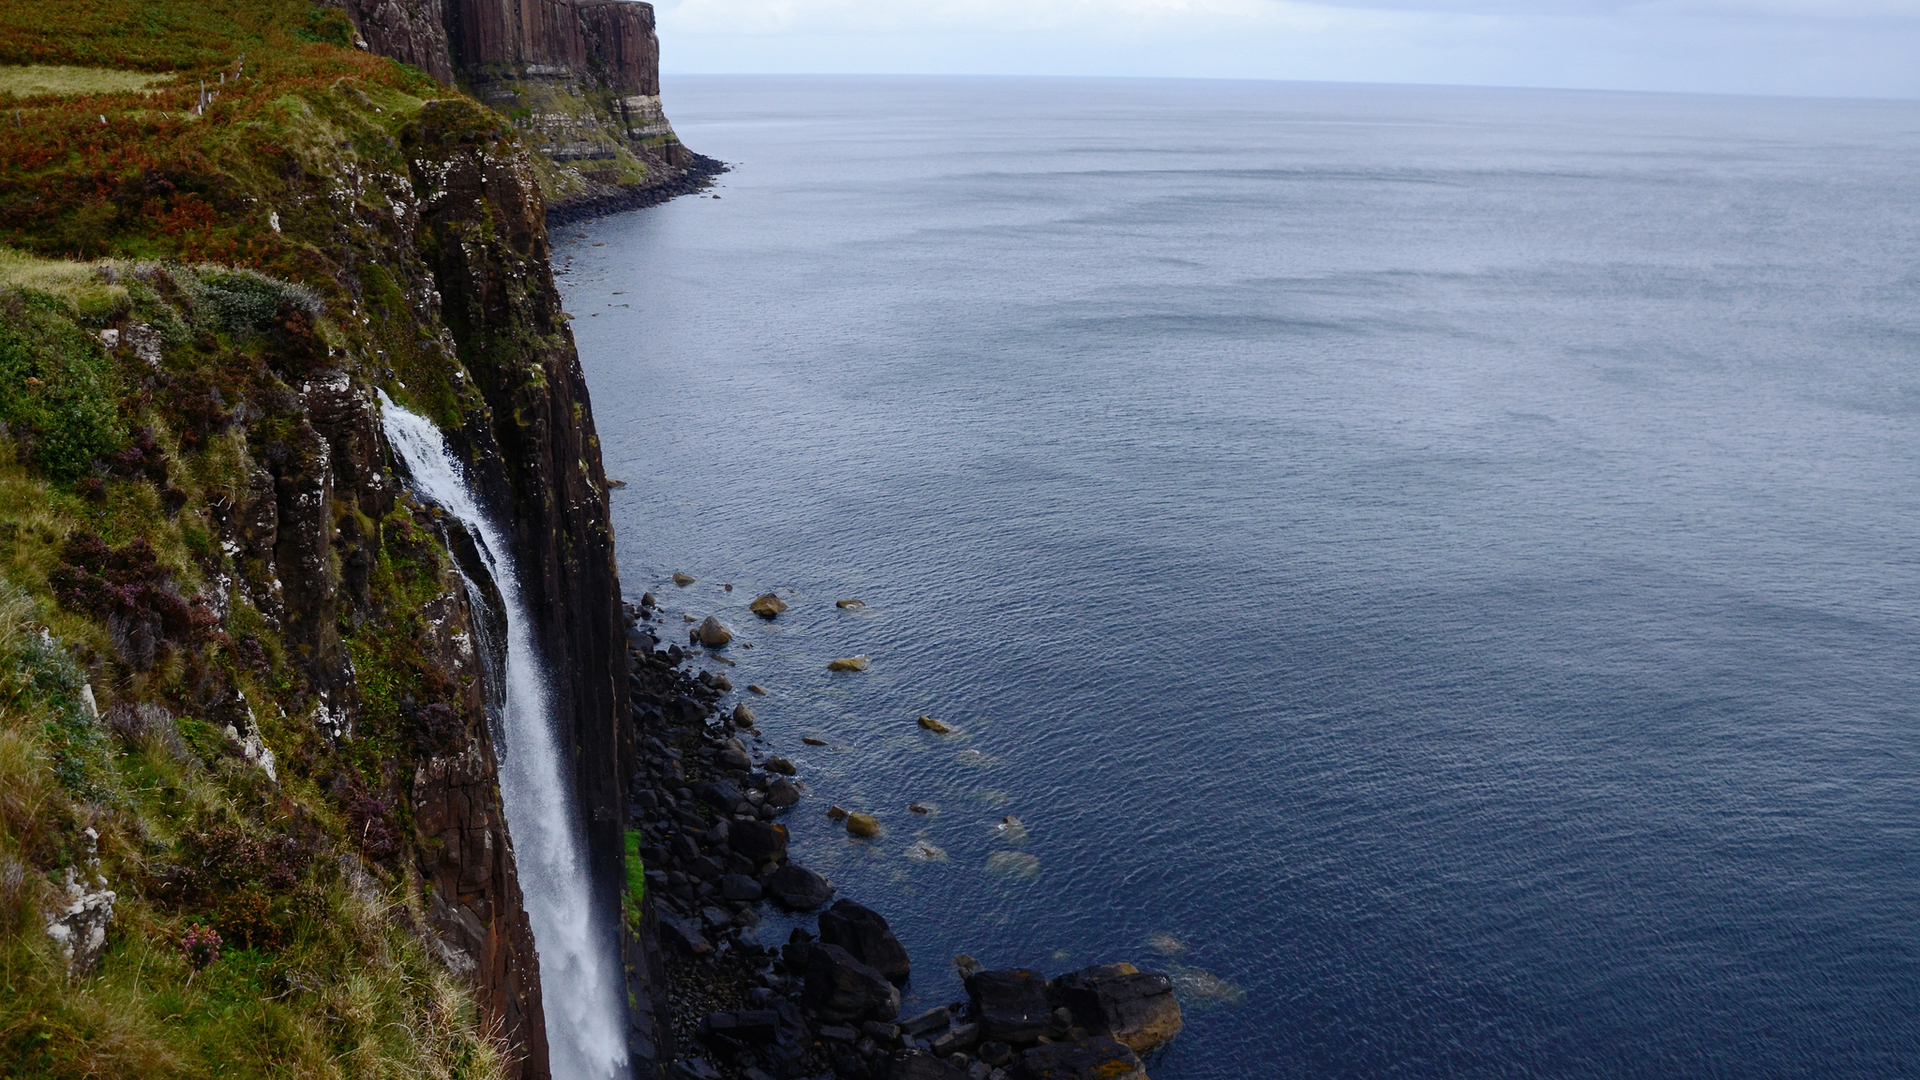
(585, 1027)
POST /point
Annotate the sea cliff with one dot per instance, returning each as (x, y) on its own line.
(253, 808)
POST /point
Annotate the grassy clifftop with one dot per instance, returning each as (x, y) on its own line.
(237, 692)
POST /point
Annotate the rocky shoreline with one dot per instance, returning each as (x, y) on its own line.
(711, 1002)
(696, 173)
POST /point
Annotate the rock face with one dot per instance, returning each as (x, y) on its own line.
(1135, 1007)
(1097, 1058)
(862, 932)
(1011, 1006)
(581, 77)
(839, 987)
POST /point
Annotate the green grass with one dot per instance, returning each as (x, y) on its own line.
(60, 80)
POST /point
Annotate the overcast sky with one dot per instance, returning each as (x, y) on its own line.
(1867, 48)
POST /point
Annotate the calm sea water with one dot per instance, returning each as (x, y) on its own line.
(1437, 564)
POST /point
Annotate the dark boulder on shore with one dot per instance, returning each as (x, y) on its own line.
(839, 987)
(1098, 1058)
(1011, 1006)
(861, 931)
(914, 1066)
(760, 841)
(797, 888)
(1135, 1007)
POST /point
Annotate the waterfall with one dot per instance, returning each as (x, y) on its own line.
(586, 1025)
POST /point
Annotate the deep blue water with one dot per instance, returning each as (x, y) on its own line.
(1444, 558)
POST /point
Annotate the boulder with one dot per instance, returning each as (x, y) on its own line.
(862, 932)
(934, 1019)
(767, 605)
(797, 888)
(917, 1066)
(863, 825)
(1135, 1007)
(712, 633)
(782, 794)
(721, 795)
(738, 887)
(849, 663)
(839, 987)
(780, 765)
(1011, 1006)
(683, 579)
(1100, 1057)
(760, 841)
(675, 928)
(957, 1040)
(742, 716)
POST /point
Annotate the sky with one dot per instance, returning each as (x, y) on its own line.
(1846, 48)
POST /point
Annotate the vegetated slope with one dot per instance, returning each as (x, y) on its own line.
(239, 674)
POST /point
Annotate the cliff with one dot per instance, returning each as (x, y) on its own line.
(244, 683)
(580, 80)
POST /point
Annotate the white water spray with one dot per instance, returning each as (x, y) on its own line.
(585, 1023)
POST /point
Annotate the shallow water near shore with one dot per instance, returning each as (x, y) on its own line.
(1432, 568)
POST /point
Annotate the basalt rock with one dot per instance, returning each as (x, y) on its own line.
(864, 933)
(1135, 1007)
(1098, 1058)
(1011, 1006)
(840, 987)
(797, 888)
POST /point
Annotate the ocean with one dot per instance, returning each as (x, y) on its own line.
(1434, 569)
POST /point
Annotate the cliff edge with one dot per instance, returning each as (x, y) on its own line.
(579, 79)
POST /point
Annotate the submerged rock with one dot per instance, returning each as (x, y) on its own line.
(767, 605)
(849, 663)
(712, 633)
(921, 851)
(863, 825)
(1013, 864)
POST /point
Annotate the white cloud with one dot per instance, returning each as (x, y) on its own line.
(1852, 47)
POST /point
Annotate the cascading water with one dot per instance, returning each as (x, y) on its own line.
(585, 1024)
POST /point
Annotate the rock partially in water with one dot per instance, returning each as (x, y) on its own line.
(780, 765)
(967, 966)
(767, 605)
(1011, 1006)
(921, 851)
(811, 741)
(863, 826)
(852, 603)
(742, 716)
(781, 794)
(935, 726)
(683, 579)
(1098, 1058)
(760, 841)
(756, 688)
(835, 813)
(919, 808)
(797, 888)
(849, 663)
(1136, 1007)
(712, 633)
(1013, 864)
(1010, 831)
(839, 987)
(861, 931)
